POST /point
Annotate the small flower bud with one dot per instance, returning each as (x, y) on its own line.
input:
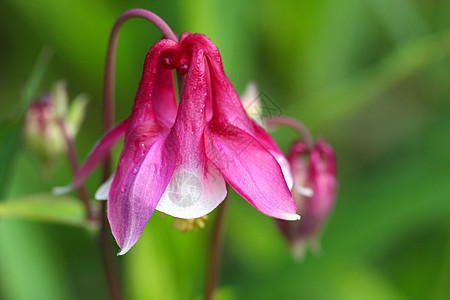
(314, 192)
(42, 128)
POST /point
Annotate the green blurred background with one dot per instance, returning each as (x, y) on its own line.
(371, 76)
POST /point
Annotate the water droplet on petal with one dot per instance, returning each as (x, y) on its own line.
(123, 190)
(135, 170)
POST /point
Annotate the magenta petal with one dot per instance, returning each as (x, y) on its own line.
(97, 155)
(322, 175)
(315, 168)
(153, 95)
(273, 148)
(141, 177)
(148, 158)
(164, 101)
(251, 170)
(196, 187)
(227, 106)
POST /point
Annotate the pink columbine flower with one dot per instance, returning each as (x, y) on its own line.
(177, 158)
(314, 192)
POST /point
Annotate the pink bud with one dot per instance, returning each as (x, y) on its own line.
(41, 130)
(314, 192)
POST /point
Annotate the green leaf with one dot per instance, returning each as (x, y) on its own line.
(355, 93)
(34, 82)
(75, 115)
(10, 128)
(60, 99)
(47, 208)
(9, 139)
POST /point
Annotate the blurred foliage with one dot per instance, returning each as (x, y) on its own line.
(370, 76)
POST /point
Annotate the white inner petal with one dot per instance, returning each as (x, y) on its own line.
(285, 168)
(305, 191)
(61, 190)
(103, 191)
(191, 193)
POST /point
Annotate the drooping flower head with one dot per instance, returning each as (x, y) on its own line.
(314, 191)
(177, 157)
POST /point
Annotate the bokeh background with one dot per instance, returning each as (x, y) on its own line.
(371, 76)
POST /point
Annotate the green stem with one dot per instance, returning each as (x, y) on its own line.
(216, 246)
(73, 160)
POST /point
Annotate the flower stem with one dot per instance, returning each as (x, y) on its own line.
(294, 124)
(216, 245)
(108, 123)
(107, 258)
(108, 98)
(73, 160)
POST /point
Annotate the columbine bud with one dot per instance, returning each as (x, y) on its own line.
(314, 192)
(42, 131)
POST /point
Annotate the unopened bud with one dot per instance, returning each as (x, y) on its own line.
(314, 191)
(41, 130)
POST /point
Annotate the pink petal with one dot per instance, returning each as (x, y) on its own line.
(97, 155)
(233, 147)
(251, 170)
(227, 106)
(164, 101)
(196, 187)
(148, 158)
(273, 148)
(153, 93)
(322, 175)
(143, 173)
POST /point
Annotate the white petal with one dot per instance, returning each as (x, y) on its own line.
(305, 191)
(61, 190)
(285, 168)
(192, 194)
(103, 191)
(292, 217)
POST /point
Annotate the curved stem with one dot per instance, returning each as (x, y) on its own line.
(216, 245)
(294, 124)
(108, 260)
(108, 123)
(108, 96)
